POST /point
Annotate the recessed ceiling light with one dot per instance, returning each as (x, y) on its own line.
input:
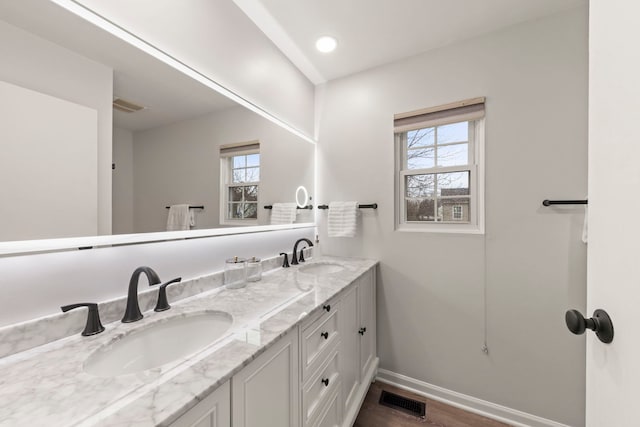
(326, 44)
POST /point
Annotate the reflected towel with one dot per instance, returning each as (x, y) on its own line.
(283, 213)
(342, 219)
(180, 218)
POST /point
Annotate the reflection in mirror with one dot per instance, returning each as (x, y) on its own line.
(109, 139)
(302, 197)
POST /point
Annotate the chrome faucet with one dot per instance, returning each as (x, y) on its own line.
(132, 313)
(294, 258)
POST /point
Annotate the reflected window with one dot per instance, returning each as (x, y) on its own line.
(240, 182)
(439, 174)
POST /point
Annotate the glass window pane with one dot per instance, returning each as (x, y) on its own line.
(420, 210)
(420, 185)
(251, 210)
(253, 160)
(238, 175)
(251, 193)
(235, 194)
(455, 132)
(457, 209)
(253, 175)
(453, 184)
(239, 161)
(453, 155)
(421, 158)
(421, 137)
(235, 210)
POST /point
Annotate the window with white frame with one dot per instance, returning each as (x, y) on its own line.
(240, 182)
(439, 176)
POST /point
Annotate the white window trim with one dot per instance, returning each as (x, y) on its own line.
(225, 170)
(477, 178)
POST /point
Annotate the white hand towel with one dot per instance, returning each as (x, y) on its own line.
(341, 221)
(283, 213)
(179, 218)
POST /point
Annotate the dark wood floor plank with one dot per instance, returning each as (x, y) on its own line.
(372, 414)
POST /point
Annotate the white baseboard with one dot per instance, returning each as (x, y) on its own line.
(468, 403)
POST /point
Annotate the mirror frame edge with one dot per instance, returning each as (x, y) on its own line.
(23, 247)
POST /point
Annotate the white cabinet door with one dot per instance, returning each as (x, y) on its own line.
(367, 329)
(349, 350)
(266, 392)
(213, 411)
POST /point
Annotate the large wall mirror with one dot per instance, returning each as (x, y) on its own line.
(100, 137)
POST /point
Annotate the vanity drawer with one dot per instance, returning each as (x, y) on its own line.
(331, 416)
(318, 338)
(319, 389)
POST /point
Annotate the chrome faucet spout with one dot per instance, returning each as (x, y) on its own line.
(294, 258)
(132, 312)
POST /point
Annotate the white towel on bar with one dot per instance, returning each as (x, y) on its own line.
(283, 213)
(180, 218)
(341, 221)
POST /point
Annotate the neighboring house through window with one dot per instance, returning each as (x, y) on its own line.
(439, 176)
(240, 182)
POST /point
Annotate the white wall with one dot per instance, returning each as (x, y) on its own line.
(48, 166)
(122, 184)
(220, 41)
(431, 311)
(180, 163)
(37, 64)
(37, 285)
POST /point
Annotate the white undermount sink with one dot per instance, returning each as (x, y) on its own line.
(320, 268)
(159, 343)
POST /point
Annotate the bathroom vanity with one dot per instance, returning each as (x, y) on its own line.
(294, 349)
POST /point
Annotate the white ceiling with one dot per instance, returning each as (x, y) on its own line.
(169, 95)
(376, 32)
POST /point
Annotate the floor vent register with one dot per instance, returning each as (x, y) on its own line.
(409, 406)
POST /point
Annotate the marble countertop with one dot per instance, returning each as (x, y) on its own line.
(47, 385)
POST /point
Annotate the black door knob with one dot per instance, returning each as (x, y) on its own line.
(600, 323)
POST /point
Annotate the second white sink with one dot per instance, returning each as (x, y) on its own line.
(159, 343)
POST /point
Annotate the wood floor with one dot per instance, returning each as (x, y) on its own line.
(372, 414)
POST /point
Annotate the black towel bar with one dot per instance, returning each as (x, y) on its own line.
(190, 207)
(297, 207)
(564, 202)
(366, 206)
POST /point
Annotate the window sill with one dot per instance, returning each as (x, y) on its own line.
(440, 228)
(241, 222)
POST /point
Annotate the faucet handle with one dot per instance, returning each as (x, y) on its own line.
(162, 303)
(301, 258)
(93, 325)
(285, 263)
